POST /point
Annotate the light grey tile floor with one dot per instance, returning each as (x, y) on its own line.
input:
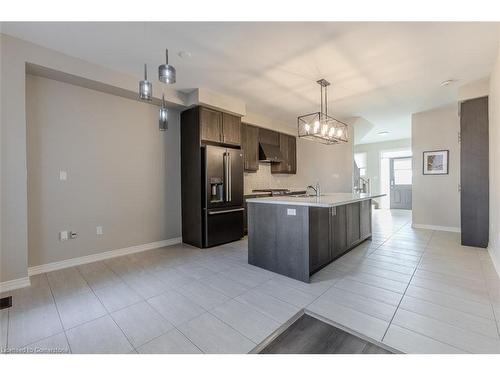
(417, 291)
(212, 335)
(141, 323)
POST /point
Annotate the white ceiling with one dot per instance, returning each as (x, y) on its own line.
(381, 72)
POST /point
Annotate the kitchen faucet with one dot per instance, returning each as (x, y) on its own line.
(317, 189)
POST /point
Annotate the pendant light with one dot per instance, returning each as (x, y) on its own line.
(319, 126)
(145, 87)
(163, 121)
(166, 73)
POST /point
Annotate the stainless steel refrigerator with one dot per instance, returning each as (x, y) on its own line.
(222, 179)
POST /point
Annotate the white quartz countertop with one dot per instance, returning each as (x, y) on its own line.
(325, 200)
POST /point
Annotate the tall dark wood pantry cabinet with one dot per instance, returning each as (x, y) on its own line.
(474, 172)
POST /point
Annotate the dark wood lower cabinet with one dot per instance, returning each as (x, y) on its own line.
(339, 231)
(365, 219)
(352, 218)
(333, 231)
(320, 220)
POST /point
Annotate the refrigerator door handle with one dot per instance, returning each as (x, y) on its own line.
(226, 177)
(229, 177)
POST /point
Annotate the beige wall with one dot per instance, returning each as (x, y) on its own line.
(373, 151)
(331, 165)
(436, 200)
(123, 173)
(475, 89)
(494, 147)
(14, 57)
(15, 53)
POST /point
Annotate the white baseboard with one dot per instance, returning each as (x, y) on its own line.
(494, 261)
(35, 270)
(437, 227)
(6, 286)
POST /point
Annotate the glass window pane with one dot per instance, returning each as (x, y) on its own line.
(402, 177)
(360, 159)
(402, 164)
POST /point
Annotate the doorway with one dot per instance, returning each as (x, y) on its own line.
(400, 182)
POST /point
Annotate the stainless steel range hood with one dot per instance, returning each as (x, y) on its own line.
(269, 153)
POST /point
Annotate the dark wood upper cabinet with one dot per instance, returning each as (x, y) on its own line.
(269, 136)
(288, 148)
(210, 125)
(250, 147)
(231, 129)
(244, 144)
(282, 167)
(220, 127)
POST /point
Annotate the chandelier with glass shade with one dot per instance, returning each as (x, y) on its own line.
(166, 74)
(319, 126)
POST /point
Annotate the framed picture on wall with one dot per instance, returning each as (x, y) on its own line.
(436, 162)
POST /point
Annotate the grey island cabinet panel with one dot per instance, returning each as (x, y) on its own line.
(278, 237)
(365, 218)
(352, 217)
(320, 222)
(298, 240)
(339, 230)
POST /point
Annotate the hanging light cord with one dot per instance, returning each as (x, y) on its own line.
(321, 105)
(326, 101)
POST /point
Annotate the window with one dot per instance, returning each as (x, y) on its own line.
(360, 159)
(402, 171)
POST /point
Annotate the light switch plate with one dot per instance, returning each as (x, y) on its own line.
(63, 175)
(291, 212)
(63, 235)
(98, 230)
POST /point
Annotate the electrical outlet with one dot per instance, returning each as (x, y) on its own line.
(98, 230)
(63, 235)
(63, 175)
(291, 212)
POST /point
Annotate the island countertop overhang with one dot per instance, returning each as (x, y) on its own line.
(325, 200)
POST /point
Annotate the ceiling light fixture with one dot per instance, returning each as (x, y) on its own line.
(184, 54)
(332, 130)
(385, 132)
(145, 87)
(163, 121)
(447, 82)
(166, 73)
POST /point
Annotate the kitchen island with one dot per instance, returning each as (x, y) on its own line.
(298, 235)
